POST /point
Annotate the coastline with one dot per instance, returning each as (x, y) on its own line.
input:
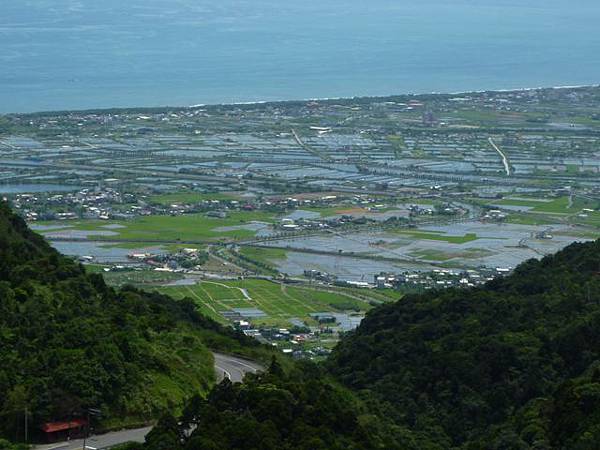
(301, 100)
(407, 94)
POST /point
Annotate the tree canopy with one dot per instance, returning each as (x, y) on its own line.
(299, 408)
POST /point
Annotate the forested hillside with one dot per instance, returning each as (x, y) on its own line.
(515, 364)
(69, 342)
(301, 408)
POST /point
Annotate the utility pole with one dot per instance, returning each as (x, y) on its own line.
(87, 429)
(26, 430)
(94, 412)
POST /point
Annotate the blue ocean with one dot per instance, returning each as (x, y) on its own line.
(78, 54)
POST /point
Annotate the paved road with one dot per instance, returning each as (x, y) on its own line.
(234, 368)
(231, 367)
(503, 155)
(101, 441)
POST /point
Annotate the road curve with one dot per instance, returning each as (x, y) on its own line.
(234, 368)
(231, 367)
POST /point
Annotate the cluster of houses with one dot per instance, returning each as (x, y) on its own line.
(415, 280)
(300, 341)
(494, 215)
(180, 261)
(106, 202)
(97, 203)
(439, 278)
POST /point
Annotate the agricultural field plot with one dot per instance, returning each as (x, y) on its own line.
(192, 197)
(324, 211)
(459, 245)
(278, 303)
(381, 213)
(530, 219)
(536, 211)
(438, 255)
(139, 278)
(188, 227)
(373, 295)
(591, 219)
(558, 206)
(439, 236)
(261, 260)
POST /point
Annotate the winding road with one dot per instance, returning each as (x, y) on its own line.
(231, 367)
(234, 368)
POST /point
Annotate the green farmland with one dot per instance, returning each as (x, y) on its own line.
(279, 302)
(438, 236)
(264, 255)
(592, 219)
(560, 205)
(192, 197)
(187, 227)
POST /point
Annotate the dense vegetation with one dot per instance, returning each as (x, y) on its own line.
(301, 409)
(69, 342)
(515, 364)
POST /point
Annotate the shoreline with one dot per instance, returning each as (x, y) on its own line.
(301, 100)
(409, 94)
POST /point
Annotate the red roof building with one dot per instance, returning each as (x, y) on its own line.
(56, 431)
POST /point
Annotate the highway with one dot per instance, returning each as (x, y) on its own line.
(231, 367)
